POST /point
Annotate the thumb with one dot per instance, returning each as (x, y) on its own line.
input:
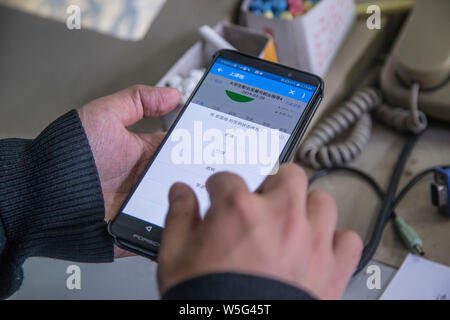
(182, 218)
(139, 101)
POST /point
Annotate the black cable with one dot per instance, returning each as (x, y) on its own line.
(361, 174)
(388, 198)
(387, 204)
(375, 186)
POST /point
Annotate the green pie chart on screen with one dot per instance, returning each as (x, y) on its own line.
(238, 97)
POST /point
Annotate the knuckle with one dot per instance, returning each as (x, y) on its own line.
(240, 203)
(136, 88)
(295, 223)
(180, 208)
(157, 100)
(322, 196)
(152, 96)
(324, 200)
(135, 91)
(297, 171)
(320, 246)
(217, 177)
(290, 206)
(354, 241)
(295, 174)
(176, 211)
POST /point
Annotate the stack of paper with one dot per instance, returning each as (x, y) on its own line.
(419, 279)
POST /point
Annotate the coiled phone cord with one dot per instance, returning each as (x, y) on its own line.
(354, 117)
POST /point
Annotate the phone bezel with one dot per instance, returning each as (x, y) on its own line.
(131, 233)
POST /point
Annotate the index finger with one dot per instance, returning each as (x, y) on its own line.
(223, 185)
(287, 188)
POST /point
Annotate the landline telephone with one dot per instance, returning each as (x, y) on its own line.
(415, 76)
(413, 84)
(422, 54)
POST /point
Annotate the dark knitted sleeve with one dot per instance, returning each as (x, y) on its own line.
(234, 286)
(51, 201)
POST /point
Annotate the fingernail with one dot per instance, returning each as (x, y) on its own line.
(176, 191)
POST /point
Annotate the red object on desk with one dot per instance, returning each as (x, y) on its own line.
(295, 7)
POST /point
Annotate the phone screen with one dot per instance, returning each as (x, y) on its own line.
(239, 120)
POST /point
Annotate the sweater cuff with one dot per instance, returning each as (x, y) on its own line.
(51, 201)
(234, 286)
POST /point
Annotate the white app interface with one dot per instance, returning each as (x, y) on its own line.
(238, 121)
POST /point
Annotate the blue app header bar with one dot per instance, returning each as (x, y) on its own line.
(263, 80)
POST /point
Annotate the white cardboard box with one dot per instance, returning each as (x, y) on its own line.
(199, 55)
(308, 42)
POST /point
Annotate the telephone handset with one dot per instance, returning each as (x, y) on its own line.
(421, 54)
(414, 83)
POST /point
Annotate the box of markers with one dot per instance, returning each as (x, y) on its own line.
(307, 33)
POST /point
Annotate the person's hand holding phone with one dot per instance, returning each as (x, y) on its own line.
(121, 155)
(281, 231)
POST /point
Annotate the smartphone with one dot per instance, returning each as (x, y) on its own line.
(245, 116)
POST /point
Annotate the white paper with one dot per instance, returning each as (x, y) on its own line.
(419, 279)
